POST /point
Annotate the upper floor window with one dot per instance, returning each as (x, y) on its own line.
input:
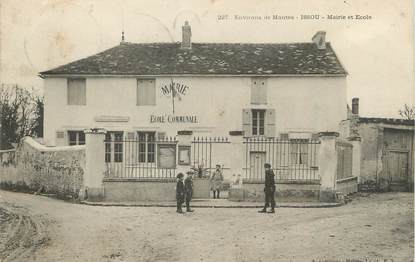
(258, 90)
(258, 122)
(76, 138)
(146, 92)
(76, 91)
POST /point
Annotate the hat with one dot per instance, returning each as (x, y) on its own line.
(180, 175)
(217, 165)
(266, 165)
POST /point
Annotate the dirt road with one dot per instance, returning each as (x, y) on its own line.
(375, 227)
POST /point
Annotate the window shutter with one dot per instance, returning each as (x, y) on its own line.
(255, 91)
(60, 138)
(263, 91)
(270, 123)
(151, 93)
(146, 92)
(258, 91)
(247, 122)
(76, 92)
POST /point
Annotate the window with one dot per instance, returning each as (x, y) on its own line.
(258, 122)
(76, 91)
(146, 147)
(299, 152)
(258, 91)
(76, 138)
(113, 140)
(146, 92)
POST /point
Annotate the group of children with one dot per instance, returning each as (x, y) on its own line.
(184, 192)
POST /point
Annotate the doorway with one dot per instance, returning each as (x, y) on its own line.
(397, 169)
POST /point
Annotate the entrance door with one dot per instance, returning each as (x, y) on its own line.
(257, 161)
(397, 167)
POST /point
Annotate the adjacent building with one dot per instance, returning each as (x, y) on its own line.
(387, 150)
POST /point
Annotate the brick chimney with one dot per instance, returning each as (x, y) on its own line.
(355, 106)
(186, 36)
(320, 39)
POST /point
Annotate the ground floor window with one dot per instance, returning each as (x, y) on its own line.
(114, 146)
(76, 138)
(146, 147)
(299, 151)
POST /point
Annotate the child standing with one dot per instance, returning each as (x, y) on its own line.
(179, 193)
(188, 188)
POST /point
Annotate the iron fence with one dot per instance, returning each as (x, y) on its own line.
(294, 159)
(147, 157)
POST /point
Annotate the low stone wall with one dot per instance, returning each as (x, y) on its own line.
(37, 168)
(128, 190)
(287, 191)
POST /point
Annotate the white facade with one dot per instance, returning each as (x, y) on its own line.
(211, 105)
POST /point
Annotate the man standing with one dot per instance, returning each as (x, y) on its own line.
(179, 192)
(269, 189)
(216, 180)
(188, 189)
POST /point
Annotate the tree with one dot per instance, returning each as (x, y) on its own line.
(21, 112)
(408, 112)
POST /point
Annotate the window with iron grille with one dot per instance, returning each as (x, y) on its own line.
(76, 91)
(146, 147)
(114, 140)
(258, 122)
(76, 138)
(299, 151)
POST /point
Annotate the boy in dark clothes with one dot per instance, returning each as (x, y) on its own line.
(179, 193)
(188, 189)
(269, 189)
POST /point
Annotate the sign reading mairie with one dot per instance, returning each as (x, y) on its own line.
(174, 90)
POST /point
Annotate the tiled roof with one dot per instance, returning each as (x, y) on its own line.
(207, 59)
(390, 121)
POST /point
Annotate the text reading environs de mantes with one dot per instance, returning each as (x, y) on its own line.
(260, 17)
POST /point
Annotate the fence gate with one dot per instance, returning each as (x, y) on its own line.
(294, 159)
(202, 151)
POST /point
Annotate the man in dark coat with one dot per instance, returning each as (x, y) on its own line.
(180, 193)
(269, 189)
(188, 189)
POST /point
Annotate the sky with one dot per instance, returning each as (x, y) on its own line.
(377, 53)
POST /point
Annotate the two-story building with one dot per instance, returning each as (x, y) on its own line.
(149, 91)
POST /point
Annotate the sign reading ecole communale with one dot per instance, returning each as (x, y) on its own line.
(169, 118)
(174, 91)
